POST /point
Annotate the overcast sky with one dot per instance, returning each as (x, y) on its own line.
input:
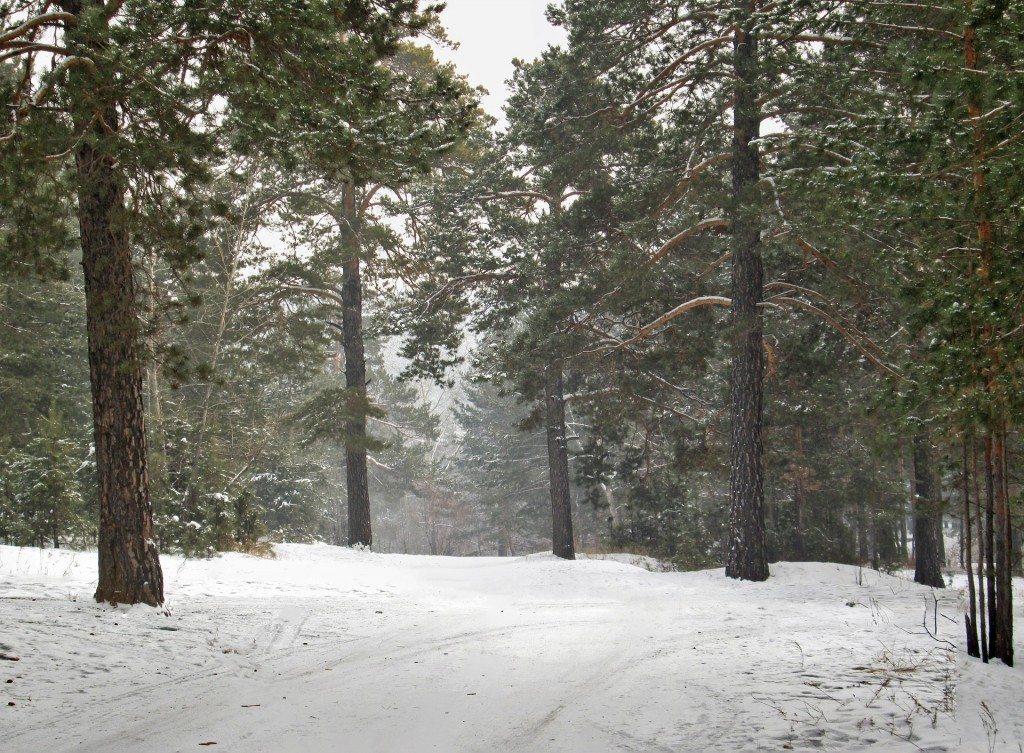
(492, 32)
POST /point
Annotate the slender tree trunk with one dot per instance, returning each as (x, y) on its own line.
(230, 259)
(1003, 552)
(505, 548)
(1008, 542)
(159, 471)
(999, 530)
(901, 463)
(129, 566)
(748, 558)
(971, 621)
(356, 479)
(862, 532)
(562, 543)
(927, 517)
(990, 560)
(979, 528)
(339, 524)
(882, 537)
(800, 544)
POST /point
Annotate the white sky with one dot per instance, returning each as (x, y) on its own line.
(490, 33)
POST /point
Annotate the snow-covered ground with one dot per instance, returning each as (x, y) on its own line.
(326, 649)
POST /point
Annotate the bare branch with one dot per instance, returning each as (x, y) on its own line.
(864, 350)
(717, 223)
(35, 23)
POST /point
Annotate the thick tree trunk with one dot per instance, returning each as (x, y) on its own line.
(927, 517)
(562, 539)
(129, 566)
(356, 481)
(747, 541)
(562, 543)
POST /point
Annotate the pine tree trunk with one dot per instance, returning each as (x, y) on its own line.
(55, 526)
(562, 543)
(927, 518)
(971, 620)
(505, 548)
(747, 545)
(990, 559)
(800, 544)
(159, 473)
(1003, 632)
(862, 533)
(979, 528)
(129, 566)
(999, 535)
(904, 546)
(356, 480)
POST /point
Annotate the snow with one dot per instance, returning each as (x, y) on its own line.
(327, 649)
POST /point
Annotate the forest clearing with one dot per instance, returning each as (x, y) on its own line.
(338, 338)
(326, 649)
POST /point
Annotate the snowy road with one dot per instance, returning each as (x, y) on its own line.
(328, 650)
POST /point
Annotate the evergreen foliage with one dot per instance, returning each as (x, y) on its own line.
(736, 282)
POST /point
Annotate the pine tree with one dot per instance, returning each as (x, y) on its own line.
(932, 149)
(117, 65)
(422, 112)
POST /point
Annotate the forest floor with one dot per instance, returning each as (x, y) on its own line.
(325, 649)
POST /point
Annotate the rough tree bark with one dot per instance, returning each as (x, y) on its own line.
(748, 558)
(129, 565)
(928, 544)
(356, 481)
(562, 543)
